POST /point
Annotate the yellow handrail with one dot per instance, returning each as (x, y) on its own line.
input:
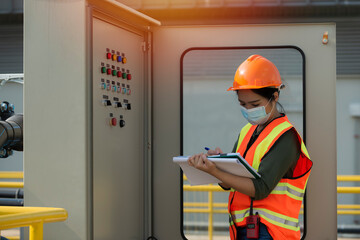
(34, 217)
(11, 175)
(11, 185)
(348, 178)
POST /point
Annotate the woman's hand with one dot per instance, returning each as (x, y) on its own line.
(217, 151)
(200, 161)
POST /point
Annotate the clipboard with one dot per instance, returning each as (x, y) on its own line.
(232, 163)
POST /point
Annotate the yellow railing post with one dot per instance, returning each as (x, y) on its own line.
(36, 231)
(211, 211)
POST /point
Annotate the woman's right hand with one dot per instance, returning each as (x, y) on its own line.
(217, 151)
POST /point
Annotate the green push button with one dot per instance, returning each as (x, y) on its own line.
(114, 72)
(124, 75)
(103, 70)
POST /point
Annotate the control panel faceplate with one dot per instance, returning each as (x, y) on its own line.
(118, 134)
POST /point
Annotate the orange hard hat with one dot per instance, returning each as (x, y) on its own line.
(256, 72)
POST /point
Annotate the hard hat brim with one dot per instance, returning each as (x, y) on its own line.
(250, 87)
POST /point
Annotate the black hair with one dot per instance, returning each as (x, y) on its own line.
(268, 93)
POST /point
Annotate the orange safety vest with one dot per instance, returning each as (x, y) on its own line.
(279, 211)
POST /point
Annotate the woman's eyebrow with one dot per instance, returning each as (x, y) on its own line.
(250, 101)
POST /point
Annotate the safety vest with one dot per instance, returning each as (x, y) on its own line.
(279, 211)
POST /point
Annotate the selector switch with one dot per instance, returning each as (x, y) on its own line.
(127, 106)
(128, 91)
(106, 102)
(117, 105)
(122, 123)
(114, 88)
(108, 87)
(103, 86)
(124, 90)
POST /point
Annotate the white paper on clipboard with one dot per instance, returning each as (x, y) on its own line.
(227, 162)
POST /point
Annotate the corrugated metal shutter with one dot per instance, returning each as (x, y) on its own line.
(11, 49)
(348, 48)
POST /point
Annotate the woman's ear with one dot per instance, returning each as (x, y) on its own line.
(276, 96)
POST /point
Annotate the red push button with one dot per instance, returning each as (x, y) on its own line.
(119, 74)
(108, 71)
(113, 121)
(108, 55)
(128, 76)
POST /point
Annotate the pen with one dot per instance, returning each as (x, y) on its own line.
(207, 149)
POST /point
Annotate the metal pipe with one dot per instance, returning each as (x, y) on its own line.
(12, 193)
(11, 202)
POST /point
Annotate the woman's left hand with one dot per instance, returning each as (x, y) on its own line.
(200, 161)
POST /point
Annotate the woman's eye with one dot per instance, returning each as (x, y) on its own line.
(255, 105)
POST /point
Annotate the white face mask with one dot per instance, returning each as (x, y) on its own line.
(256, 116)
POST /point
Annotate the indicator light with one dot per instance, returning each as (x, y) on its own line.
(128, 91)
(108, 87)
(103, 70)
(124, 60)
(113, 88)
(114, 57)
(113, 121)
(114, 72)
(325, 39)
(119, 59)
(108, 55)
(124, 75)
(124, 90)
(119, 89)
(108, 71)
(128, 76)
(119, 74)
(103, 85)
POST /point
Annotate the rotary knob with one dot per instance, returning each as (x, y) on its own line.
(122, 123)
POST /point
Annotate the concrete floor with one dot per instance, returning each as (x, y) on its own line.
(16, 232)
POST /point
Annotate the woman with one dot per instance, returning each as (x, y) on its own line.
(272, 146)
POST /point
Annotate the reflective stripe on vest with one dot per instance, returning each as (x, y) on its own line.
(268, 141)
(273, 217)
(243, 132)
(290, 190)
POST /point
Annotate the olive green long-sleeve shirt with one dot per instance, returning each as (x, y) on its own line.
(279, 162)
